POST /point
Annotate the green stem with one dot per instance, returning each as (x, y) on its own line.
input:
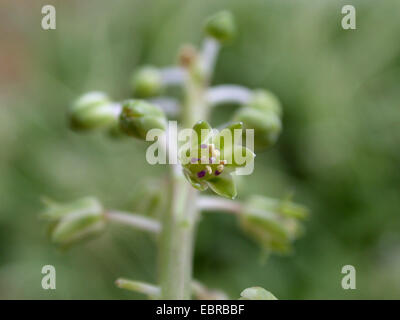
(179, 222)
(177, 240)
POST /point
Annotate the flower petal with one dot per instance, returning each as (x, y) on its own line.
(223, 185)
(197, 138)
(225, 137)
(199, 185)
(238, 156)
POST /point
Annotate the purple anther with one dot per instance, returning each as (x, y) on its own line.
(201, 174)
(213, 160)
(217, 173)
(194, 160)
(203, 146)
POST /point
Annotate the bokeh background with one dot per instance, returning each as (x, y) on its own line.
(339, 151)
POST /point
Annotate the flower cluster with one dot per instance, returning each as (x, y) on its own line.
(212, 158)
(209, 160)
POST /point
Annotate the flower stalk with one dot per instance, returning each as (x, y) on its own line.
(179, 222)
(136, 221)
(211, 203)
(138, 286)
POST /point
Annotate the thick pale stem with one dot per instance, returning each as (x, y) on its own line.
(196, 107)
(179, 223)
(177, 241)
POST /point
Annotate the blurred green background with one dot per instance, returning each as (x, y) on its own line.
(339, 151)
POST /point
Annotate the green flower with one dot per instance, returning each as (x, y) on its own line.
(74, 221)
(221, 26)
(263, 115)
(274, 224)
(212, 157)
(138, 117)
(91, 111)
(146, 82)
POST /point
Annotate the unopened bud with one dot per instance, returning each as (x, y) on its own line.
(266, 101)
(221, 26)
(146, 82)
(74, 221)
(187, 56)
(274, 224)
(92, 110)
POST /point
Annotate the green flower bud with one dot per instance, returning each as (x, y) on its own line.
(265, 101)
(138, 117)
(274, 224)
(256, 293)
(266, 124)
(74, 221)
(285, 207)
(221, 26)
(146, 82)
(91, 111)
(210, 160)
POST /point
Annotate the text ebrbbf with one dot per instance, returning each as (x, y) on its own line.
(205, 309)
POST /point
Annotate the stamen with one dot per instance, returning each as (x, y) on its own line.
(203, 146)
(212, 160)
(224, 162)
(217, 173)
(201, 174)
(209, 170)
(194, 160)
(220, 168)
(211, 147)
